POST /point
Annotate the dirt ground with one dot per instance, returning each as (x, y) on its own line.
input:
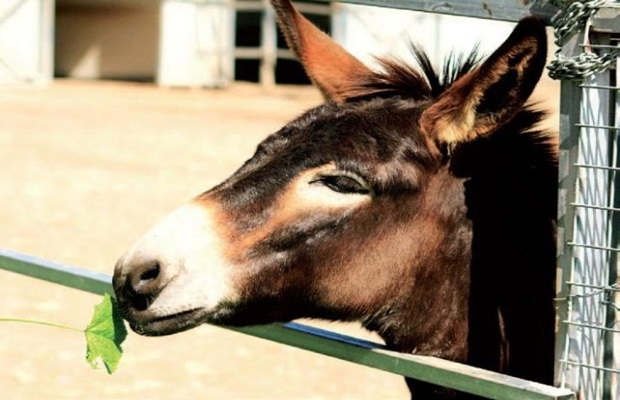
(86, 169)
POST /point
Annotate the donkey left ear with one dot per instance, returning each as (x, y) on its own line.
(331, 68)
(482, 100)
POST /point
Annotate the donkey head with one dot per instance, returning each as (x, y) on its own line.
(352, 211)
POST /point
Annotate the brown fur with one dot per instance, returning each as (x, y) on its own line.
(448, 247)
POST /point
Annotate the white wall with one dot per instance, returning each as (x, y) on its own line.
(25, 41)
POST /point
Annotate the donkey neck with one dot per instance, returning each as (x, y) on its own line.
(421, 321)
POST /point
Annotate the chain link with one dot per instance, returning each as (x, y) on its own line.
(573, 17)
(580, 67)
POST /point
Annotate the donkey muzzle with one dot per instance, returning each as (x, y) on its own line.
(175, 276)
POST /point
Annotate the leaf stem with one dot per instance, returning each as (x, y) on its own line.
(29, 321)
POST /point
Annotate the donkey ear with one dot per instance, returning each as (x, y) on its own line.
(330, 67)
(484, 99)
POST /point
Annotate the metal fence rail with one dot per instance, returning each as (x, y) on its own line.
(430, 369)
(488, 9)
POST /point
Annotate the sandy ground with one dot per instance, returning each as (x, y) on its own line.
(88, 167)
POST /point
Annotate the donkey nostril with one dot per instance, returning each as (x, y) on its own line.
(145, 278)
(139, 294)
(142, 285)
(150, 274)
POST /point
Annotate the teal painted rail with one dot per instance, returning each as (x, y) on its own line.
(434, 370)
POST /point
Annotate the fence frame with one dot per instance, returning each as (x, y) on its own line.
(501, 10)
(430, 369)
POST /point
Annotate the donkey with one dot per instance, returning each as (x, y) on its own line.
(421, 204)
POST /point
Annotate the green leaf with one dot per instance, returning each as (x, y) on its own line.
(104, 335)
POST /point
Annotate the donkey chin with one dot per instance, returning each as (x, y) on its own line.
(174, 278)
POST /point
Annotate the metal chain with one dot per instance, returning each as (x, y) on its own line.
(580, 67)
(574, 16)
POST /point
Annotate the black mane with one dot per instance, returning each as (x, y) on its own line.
(397, 77)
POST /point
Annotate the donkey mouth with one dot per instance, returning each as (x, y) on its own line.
(168, 324)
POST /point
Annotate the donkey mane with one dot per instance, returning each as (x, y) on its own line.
(397, 77)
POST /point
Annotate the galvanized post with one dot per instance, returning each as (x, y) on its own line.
(570, 100)
(610, 382)
(569, 115)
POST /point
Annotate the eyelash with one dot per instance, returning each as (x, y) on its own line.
(343, 184)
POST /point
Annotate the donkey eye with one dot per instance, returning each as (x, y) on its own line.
(343, 184)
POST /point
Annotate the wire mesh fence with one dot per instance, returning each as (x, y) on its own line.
(589, 223)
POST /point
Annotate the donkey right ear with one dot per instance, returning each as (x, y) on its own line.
(330, 67)
(484, 99)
